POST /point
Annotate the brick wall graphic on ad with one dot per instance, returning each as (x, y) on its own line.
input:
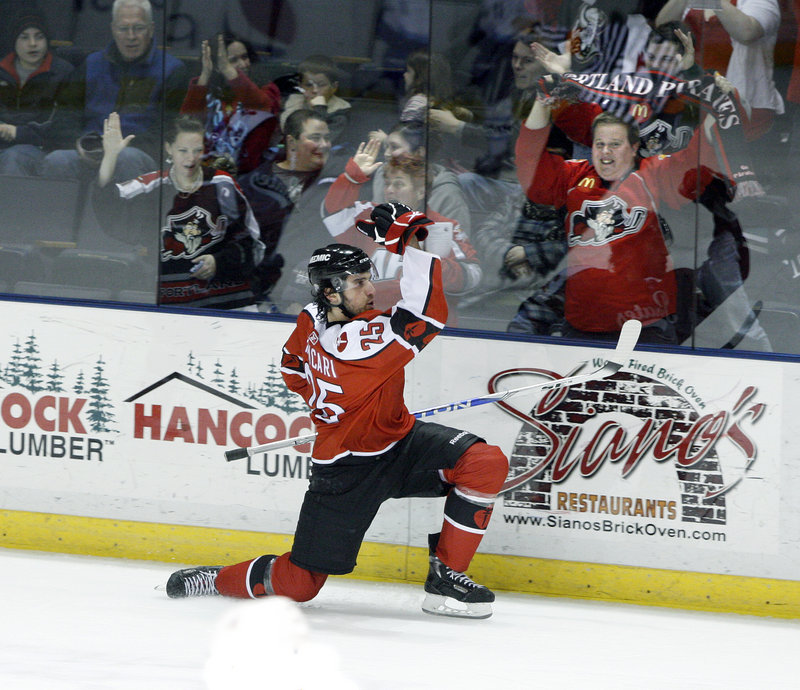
(550, 441)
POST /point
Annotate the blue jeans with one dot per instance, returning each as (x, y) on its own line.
(720, 281)
(21, 159)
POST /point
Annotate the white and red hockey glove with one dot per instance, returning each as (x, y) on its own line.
(393, 225)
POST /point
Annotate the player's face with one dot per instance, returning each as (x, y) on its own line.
(187, 153)
(132, 32)
(613, 155)
(238, 56)
(526, 68)
(359, 294)
(31, 47)
(313, 146)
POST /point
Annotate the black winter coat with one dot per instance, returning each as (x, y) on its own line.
(32, 107)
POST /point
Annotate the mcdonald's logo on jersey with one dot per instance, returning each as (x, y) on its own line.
(588, 182)
(640, 112)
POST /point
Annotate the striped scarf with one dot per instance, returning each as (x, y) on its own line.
(639, 97)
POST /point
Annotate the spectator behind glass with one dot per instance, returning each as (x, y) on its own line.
(526, 240)
(495, 174)
(209, 237)
(407, 180)
(428, 82)
(286, 198)
(752, 28)
(30, 80)
(494, 34)
(319, 82)
(403, 27)
(618, 266)
(411, 140)
(131, 77)
(240, 117)
(668, 129)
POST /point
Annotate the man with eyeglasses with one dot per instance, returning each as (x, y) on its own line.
(131, 77)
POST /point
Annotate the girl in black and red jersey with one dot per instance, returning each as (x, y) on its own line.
(209, 241)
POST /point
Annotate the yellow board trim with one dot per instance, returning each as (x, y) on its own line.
(195, 545)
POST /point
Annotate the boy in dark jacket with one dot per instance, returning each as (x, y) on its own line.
(31, 78)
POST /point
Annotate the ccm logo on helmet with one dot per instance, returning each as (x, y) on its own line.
(319, 257)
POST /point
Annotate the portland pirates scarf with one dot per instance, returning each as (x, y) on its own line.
(641, 96)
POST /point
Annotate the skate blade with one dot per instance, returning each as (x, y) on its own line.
(439, 605)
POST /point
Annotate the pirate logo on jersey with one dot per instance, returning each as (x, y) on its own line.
(227, 130)
(660, 137)
(604, 220)
(190, 233)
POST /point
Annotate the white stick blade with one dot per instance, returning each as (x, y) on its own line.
(628, 336)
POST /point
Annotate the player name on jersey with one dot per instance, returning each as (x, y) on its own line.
(319, 362)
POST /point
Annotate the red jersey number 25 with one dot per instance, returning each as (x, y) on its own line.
(371, 334)
(324, 410)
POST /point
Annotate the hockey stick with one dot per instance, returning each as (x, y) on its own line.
(628, 337)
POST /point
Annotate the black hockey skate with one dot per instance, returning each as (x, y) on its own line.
(193, 582)
(451, 593)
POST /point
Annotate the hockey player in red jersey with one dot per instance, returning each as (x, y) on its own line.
(347, 361)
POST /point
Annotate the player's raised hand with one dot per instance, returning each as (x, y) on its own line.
(393, 225)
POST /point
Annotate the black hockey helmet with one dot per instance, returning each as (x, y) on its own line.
(329, 267)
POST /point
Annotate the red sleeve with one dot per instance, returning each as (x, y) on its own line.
(452, 274)
(292, 362)
(543, 175)
(673, 178)
(345, 189)
(456, 263)
(267, 98)
(194, 103)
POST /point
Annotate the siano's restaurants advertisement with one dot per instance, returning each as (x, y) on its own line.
(675, 461)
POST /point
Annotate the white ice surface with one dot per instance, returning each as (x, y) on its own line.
(82, 623)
